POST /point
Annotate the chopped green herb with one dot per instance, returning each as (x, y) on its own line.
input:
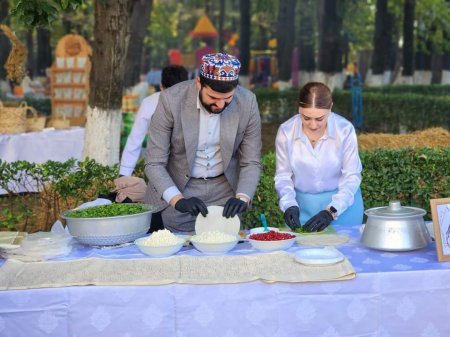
(104, 211)
(328, 230)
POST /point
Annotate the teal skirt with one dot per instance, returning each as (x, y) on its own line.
(312, 203)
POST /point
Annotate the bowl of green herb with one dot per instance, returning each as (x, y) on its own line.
(108, 225)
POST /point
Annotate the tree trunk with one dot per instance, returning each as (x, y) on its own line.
(285, 38)
(234, 20)
(330, 64)
(408, 38)
(67, 24)
(306, 32)
(44, 50)
(111, 35)
(330, 47)
(244, 39)
(31, 65)
(383, 58)
(436, 67)
(139, 21)
(221, 41)
(146, 56)
(446, 64)
(422, 71)
(5, 45)
(261, 41)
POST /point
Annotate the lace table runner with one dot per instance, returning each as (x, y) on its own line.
(322, 239)
(273, 267)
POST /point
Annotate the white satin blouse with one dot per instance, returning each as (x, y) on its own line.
(333, 164)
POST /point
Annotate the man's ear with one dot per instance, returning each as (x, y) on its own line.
(197, 83)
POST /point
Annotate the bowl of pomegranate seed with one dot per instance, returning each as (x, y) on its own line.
(272, 240)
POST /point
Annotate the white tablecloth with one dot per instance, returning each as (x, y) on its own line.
(39, 147)
(393, 294)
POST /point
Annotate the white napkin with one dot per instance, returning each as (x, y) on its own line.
(41, 246)
(96, 202)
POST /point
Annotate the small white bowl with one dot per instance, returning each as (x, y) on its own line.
(214, 248)
(159, 251)
(258, 230)
(270, 246)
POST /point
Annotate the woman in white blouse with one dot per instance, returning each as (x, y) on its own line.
(318, 169)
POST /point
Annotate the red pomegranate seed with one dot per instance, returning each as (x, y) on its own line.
(271, 236)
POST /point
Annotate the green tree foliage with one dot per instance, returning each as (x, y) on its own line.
(263, 22)
(41, 12)
(433, 17)
(164, 31)
(358, 24)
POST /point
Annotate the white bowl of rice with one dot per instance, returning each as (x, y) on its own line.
(161, 243)
(214, 242)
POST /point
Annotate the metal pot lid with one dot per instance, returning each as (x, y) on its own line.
(395, 210)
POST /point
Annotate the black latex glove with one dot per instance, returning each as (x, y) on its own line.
(292, 217)
(318, 222)
(192, 206)
(111, 196)
(234, 206)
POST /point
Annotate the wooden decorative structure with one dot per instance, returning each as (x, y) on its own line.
(204, 28)
(70, 81)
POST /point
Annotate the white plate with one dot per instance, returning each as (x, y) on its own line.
(319, 256)
(214, 221)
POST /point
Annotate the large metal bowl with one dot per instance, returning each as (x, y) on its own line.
(110, 230)
(395, 228)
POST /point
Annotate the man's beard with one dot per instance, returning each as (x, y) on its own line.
(209, 107)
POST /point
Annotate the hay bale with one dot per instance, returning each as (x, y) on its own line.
(432, 137)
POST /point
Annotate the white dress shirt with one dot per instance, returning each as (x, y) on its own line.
(332, 164)
(208, 158)
(141, 123)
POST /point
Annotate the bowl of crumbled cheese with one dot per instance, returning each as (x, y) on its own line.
(214, 242)
(161, 243)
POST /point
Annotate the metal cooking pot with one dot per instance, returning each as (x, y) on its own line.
(109, 231)
(395, 228)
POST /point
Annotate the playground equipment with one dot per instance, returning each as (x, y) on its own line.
(263, 68)
(357, 100)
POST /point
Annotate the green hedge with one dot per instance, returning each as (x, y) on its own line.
(64, 185)
(414, 176)
(395, 112)
(419, 89)
(382, 112)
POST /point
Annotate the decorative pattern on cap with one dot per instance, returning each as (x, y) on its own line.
(220, 67)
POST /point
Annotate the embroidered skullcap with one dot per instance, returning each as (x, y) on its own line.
(220, 67)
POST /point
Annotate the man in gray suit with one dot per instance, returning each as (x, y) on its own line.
(204, 146)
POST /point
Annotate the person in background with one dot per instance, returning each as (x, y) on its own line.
(154, 78)
(204, 146)
(141, 89)
(171, 75)
(318, 169)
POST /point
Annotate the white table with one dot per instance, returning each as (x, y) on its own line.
(393, 294)
(38, 147)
